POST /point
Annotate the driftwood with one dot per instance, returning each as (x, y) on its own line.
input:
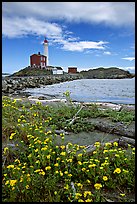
(58, 132)
(75, 116)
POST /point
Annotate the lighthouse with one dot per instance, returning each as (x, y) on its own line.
(46, 49)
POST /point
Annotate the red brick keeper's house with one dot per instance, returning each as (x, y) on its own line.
(38, 61)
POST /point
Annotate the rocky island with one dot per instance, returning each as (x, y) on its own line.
(34, 77)
(106, 73)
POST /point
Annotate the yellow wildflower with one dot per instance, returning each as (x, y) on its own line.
(87, 193)
(44, 148)
(79, 185)
(105, 150)
(11, 136)
(10, 166)
(69, 160)
(37, 170)
(42, 173)
(62, 147)
(77, 195)
(66, 187)
(79, 155)
(98, 186)
(88, 200)
(122, 194)
(97, 144)
(48, 156)
(61, 174)
(88, 181)
(30, 155)
(27, 186)
(105, 178)
(19, 120)
(115, 144)
(117, 170)
(79, 162)
(28, 179)
(108, 144)
(5, 149)
(17, 160)
(63, 153)
(48, 168)
(91, 165)
(7, 182)
(56, 164)
(13, 182)
(80, 200)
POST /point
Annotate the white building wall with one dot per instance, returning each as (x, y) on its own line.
(59, 71)
(54, 71)
(46, 52)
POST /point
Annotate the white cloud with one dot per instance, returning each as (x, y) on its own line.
(82, 45)
(129, 58)
(110, 13)
(18, 27)
(107, 53)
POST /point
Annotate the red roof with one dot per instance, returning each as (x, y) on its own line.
(45, 41)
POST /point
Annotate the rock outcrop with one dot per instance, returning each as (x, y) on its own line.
(15, 84)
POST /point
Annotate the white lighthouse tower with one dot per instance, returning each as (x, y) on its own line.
(46, 50)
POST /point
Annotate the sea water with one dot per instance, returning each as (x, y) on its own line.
(120, 91)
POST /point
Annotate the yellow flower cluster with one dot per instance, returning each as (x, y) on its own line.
(87, 193)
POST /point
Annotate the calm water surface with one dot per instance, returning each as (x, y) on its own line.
(92, 90)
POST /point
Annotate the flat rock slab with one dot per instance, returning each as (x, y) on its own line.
(86, 138)
(117, 128)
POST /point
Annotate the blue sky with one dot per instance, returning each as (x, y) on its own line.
(82, 34)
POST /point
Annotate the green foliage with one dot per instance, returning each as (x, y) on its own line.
(38, 170)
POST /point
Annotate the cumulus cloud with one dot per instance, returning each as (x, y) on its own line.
(129, 58)
(18, 27)
(38, 18)
(110, 13)
(82, 45)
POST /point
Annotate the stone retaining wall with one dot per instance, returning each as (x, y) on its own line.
(14, 84)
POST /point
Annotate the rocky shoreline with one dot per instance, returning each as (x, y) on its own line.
(14, 85)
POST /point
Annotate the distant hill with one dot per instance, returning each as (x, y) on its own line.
(106, 73)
